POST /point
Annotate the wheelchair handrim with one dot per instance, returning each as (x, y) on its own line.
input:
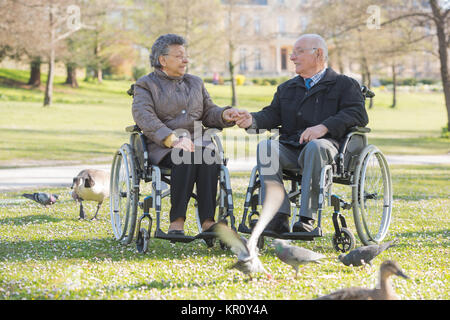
(368, 187)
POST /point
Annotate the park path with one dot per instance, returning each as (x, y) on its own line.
(61, 176)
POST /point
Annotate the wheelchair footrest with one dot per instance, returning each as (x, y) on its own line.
(244, 229)
(317, 232)
(205, 235)
(159, 234)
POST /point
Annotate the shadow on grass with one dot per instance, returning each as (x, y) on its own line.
(34, 219)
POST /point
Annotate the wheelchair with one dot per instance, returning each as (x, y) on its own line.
(130, 167)
(361, 166)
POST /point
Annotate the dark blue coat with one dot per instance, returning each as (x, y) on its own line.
(335, 101)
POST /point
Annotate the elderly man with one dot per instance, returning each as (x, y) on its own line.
(315, 109)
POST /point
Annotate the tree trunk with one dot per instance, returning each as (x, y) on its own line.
(49, 84)
(71, 75)
(233, 85)
(98, 70)
(35, 72)
(394, 86)
(51, 63)
(99, 75)
(443, 53)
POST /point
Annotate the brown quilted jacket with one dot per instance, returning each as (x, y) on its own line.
(162, 104)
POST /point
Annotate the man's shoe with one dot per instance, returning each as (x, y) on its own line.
(304, 224)
(279, 224)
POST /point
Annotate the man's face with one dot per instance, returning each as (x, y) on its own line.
(175, 62)
(305, 57)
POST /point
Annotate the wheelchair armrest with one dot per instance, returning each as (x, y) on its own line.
(219, 129)
(133, 128)
(359, 129)
(259, 131)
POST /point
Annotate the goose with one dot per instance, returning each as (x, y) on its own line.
(90, 185)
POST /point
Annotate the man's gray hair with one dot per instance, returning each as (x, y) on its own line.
(319, 42)
(161, 47)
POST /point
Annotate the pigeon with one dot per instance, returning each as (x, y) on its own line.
(247, 263)
(90, 185)
(294, 255)
(247, 251)
(45, 199)
(364, 255)
(383, 291)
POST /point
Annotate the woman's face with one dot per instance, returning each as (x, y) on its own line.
(174, 63)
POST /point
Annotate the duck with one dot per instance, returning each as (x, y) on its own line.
(383, 291)
(90, 185)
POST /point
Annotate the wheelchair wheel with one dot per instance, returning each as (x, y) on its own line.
(345, 241)
(372, 196)
(124, 197)
(142, 241)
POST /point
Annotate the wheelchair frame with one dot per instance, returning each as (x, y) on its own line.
(132, 162)
(350, 168)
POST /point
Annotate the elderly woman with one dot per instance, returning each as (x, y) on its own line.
(166, 101)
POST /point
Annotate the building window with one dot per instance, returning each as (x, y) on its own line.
(281, 25)
(303, 23)
(242, 20)
(258, 65)
(283, 59)
(257, 23)
(243, 60)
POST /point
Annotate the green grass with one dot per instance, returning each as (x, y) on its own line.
(87, 124)
(46, 253)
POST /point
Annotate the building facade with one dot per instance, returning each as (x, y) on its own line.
(268, 29)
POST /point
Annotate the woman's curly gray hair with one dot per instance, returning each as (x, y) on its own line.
(161, 47)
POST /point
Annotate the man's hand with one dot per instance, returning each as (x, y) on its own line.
(312, 133)
(230, 114)
(184, 143)
(244, 120)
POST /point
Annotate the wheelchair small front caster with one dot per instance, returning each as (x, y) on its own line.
(142, 241)
(344, 241)
(209, 242)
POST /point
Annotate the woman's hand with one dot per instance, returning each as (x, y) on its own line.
(230, 114)
(244, 119)
(184, 143)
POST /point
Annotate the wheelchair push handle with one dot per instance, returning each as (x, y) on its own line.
(367, 93)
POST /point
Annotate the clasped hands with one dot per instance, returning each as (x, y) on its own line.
(244, 120)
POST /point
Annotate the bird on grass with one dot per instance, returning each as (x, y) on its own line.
(294, 255)
(247, 251)
(90, 185)
(383, 291)
(43, 198)
(364, 255)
